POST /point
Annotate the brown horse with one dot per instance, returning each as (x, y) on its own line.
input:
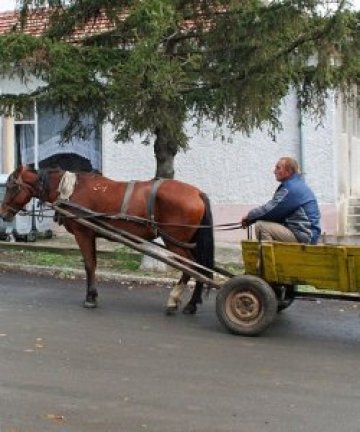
(177, 209)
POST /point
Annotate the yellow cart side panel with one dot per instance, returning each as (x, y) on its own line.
(334, 267)
(354, 268)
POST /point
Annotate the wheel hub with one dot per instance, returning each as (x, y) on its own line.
(244, 306)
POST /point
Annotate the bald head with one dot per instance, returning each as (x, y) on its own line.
(285, 168)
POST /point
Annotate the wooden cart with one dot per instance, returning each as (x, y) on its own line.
(247, 304)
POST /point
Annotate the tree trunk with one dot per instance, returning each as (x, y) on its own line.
(165, 149)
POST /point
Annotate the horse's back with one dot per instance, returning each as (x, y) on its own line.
(173, 199)
(180, 201)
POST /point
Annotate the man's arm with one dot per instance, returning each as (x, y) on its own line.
(275, 210)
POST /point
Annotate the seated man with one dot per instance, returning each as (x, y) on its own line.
(292, 215)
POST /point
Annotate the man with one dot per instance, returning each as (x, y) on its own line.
(292, 215)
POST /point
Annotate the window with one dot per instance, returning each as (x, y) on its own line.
(25, 125)
(38, 139)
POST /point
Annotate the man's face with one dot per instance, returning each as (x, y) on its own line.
(281, 172)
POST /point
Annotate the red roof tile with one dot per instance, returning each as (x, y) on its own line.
(38, 20)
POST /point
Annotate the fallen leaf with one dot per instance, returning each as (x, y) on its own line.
(56, 417)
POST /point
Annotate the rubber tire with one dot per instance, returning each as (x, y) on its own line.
(255, 291)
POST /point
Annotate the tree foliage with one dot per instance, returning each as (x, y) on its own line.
(162, 62)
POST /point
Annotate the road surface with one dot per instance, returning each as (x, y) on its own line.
(127, 367)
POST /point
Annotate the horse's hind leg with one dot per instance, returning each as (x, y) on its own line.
(86, 241)
(175, 295)
(196, 299)
(174, 299)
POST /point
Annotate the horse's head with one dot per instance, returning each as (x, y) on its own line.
(21, 186)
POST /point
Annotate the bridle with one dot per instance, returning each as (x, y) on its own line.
(14, 186)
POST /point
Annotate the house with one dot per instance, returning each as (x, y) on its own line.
(236, 172)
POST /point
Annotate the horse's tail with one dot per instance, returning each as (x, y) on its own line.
(204, 239)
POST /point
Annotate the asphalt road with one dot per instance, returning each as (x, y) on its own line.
(127, 367)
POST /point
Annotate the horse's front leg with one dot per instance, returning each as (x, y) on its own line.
(86, 241)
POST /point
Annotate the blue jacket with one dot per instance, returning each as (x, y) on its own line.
(295, 206)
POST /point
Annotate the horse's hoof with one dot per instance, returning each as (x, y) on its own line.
(171, 310)
(190, 309)
(90, 304)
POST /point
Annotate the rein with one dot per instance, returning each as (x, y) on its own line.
(88, 214)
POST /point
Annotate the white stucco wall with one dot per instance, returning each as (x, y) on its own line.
(239, 171)
(16, 86)
(238, 174)
(320, 164)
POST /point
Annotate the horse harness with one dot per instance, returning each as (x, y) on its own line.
(151, 203)
(150, 211)
(124, 215)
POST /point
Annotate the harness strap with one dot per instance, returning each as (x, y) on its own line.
(128, 192)
(151, 202)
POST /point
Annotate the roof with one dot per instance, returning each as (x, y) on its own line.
(7, 21)
(38, 21)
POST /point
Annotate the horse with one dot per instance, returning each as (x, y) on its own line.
(180, 213)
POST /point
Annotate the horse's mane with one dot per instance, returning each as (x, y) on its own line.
(44, 179)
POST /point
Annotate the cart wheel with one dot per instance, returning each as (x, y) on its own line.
(246, 305)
